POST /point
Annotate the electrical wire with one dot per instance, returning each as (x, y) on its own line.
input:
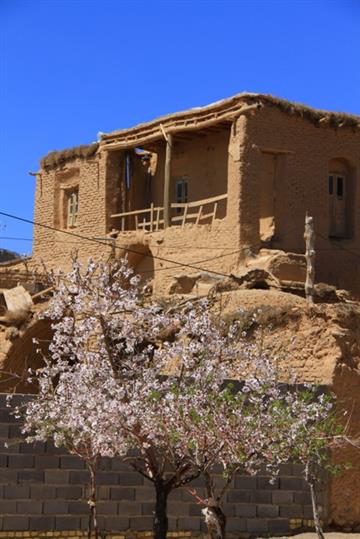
(107, 244)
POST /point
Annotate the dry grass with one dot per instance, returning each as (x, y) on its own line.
(58, 158)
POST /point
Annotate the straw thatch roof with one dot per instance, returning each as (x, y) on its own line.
(58, 158)
(222, 112)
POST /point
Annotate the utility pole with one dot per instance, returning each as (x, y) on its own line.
(309, 236)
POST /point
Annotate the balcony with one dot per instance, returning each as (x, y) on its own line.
(152, 219)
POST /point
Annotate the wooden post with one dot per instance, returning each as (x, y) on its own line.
(309, 236)
(199, 215)
(151, 217)
(184, 216)
(169, 141)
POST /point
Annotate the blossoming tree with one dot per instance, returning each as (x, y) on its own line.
(125, 374)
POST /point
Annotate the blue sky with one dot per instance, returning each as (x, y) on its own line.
(71, 68)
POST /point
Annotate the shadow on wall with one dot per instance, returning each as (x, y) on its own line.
(141, 260)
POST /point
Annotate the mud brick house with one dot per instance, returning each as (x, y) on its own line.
(220, 188)
(216, 184)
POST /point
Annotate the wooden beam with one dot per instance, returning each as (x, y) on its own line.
(141, 138)
(169, 143)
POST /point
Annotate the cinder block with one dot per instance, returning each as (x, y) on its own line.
(42, 492)
(122, 493)
(46, 462)
(126, 508)
(16, 492)
(79, 477)
(79, 507)
(236, 525)
(32, 449)
(6, 416)
(71, 462)
(9, 448)
(147, 509)
(239, 496)
(33, 476)
(103, 493)
(267, 511)
(57, 477)
(118, 523)
(242, 510)
(7, 507)
(291, 483)
(105, 464)
(69, 493)
(302, 498)
(15, 523)
(15, 431)
(51, 449)
(257, 525)
(130, 479)
(42, 523)
(286, 469)
(298, 469)
(279, 526)
(108, 508)
(308, 512)
(188, 523)
(245, 482)
(4, 430)
(189, 509)
(144, 494)
(29, 507)
(8, 476)
(118, 465)
(261, 496)
(67, 523)
(282, 497)
(291, 511)
(141, 523)
(263, 483)
(56, 507)
(107, 478)
(21, 461)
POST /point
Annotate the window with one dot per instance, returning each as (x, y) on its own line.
(181, 194)
(72, 208)
(337, 205)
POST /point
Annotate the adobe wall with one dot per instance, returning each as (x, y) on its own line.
(301, 184)
(204, 247)
(43, 488)
(55, 247)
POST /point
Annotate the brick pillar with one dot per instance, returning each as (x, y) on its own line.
(243, 209)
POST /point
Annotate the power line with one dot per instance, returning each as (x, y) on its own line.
(107, 244)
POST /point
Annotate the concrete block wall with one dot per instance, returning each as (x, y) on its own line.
(43, 488)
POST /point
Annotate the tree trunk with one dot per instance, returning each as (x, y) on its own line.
(317, 523)
(310, 478)
(92, 503)
(215, 518)
(215, 521)
(160, 518)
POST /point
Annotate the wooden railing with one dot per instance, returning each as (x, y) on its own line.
(152, 219)
(198, 215)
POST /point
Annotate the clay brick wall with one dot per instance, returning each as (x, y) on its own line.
(301, 184)
(55, 247)
(42, 488)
